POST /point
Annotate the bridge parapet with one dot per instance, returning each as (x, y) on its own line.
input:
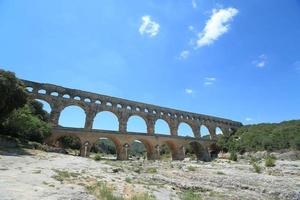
(60, 97)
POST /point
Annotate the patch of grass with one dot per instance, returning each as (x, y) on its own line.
(151, 170)
(144, 196)
(256, 167)
(190, 195)
(62, 175)
(101, 191)
(220, 173)
(97, 157)
(37, 171)
(191, 168)
(270, 161)
(215, 194)
(128, 180)
(233, 156)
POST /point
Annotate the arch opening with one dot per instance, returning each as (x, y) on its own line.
(185, 129)
(204, 132)
(45, 105)
(72, 116)
(162, 127)
(29, 89)
(42, 91)
(71, 144)
(104, 148)
(219, 131)
(139, 150)
(66, 96)
(136, 124)
(196, 151)
(106, 120)
(167, 150)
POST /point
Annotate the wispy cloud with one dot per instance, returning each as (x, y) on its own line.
(194, 4)
(189, 91)
(217, 25)
(183, 55)
(209, 80)
(248, 119)
(261, 61)
(149, 27)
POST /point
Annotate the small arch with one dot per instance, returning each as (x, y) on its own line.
(169, 114)
(77, 98)
(136, 123)
(106, 120)
(108, 104)
(154, 112)
(66, 96)
(185, 129)
(42, 91)
(161, 127)
(72, 116)
(54, 94)
(128, 108)
(97, 102)
(162, 113)
(204, 132)
(219, 131)
(146, 110)
(197, 151)
(29, 89)
(119, 106)
(138, 109)
(87, 100)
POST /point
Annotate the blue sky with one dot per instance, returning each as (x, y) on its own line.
(232, 59)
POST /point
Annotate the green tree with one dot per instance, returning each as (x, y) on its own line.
(12, 94)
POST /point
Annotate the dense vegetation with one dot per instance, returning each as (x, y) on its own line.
(19, 116)
(269, 137)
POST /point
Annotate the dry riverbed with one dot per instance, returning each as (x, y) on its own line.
(33, 174)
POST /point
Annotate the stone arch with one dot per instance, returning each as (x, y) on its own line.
(219, 131)
(147, 147)
(204, 132)
(113, 149)
(161, 126)
(172, 147)
(185, 129)
(45, 105)
(136, 123)
(110, 121)
(200, 151)
(72, 116)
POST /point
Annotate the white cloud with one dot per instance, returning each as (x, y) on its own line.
(194, 3)
(248, 119)
(209, 80)
(184, 54)
(189, 91)
(261, 61)
(149, 27)
(217, 25)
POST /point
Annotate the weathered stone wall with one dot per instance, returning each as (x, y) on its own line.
(59, 98)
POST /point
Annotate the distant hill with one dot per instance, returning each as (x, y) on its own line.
(265, 136)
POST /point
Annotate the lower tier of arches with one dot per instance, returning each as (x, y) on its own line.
(179, 147)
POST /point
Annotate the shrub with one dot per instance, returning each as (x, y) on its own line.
(97, 157)
(151, 170)
(270, 161)
(191, 168)
(70, 142)
(233, 156)
(190, 195)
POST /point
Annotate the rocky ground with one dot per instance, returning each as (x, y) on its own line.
(33, 174)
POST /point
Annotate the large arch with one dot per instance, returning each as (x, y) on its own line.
(168, 150)
(106, 148)
(106, 120)
(71, 144)
(45, 105)
(200, 151)
(72, 116)
(185, 129)
(140, 149)
(162, 127)
(136, 123)
(204, 132)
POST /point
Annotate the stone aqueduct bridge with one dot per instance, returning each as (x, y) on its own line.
(60, 97)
